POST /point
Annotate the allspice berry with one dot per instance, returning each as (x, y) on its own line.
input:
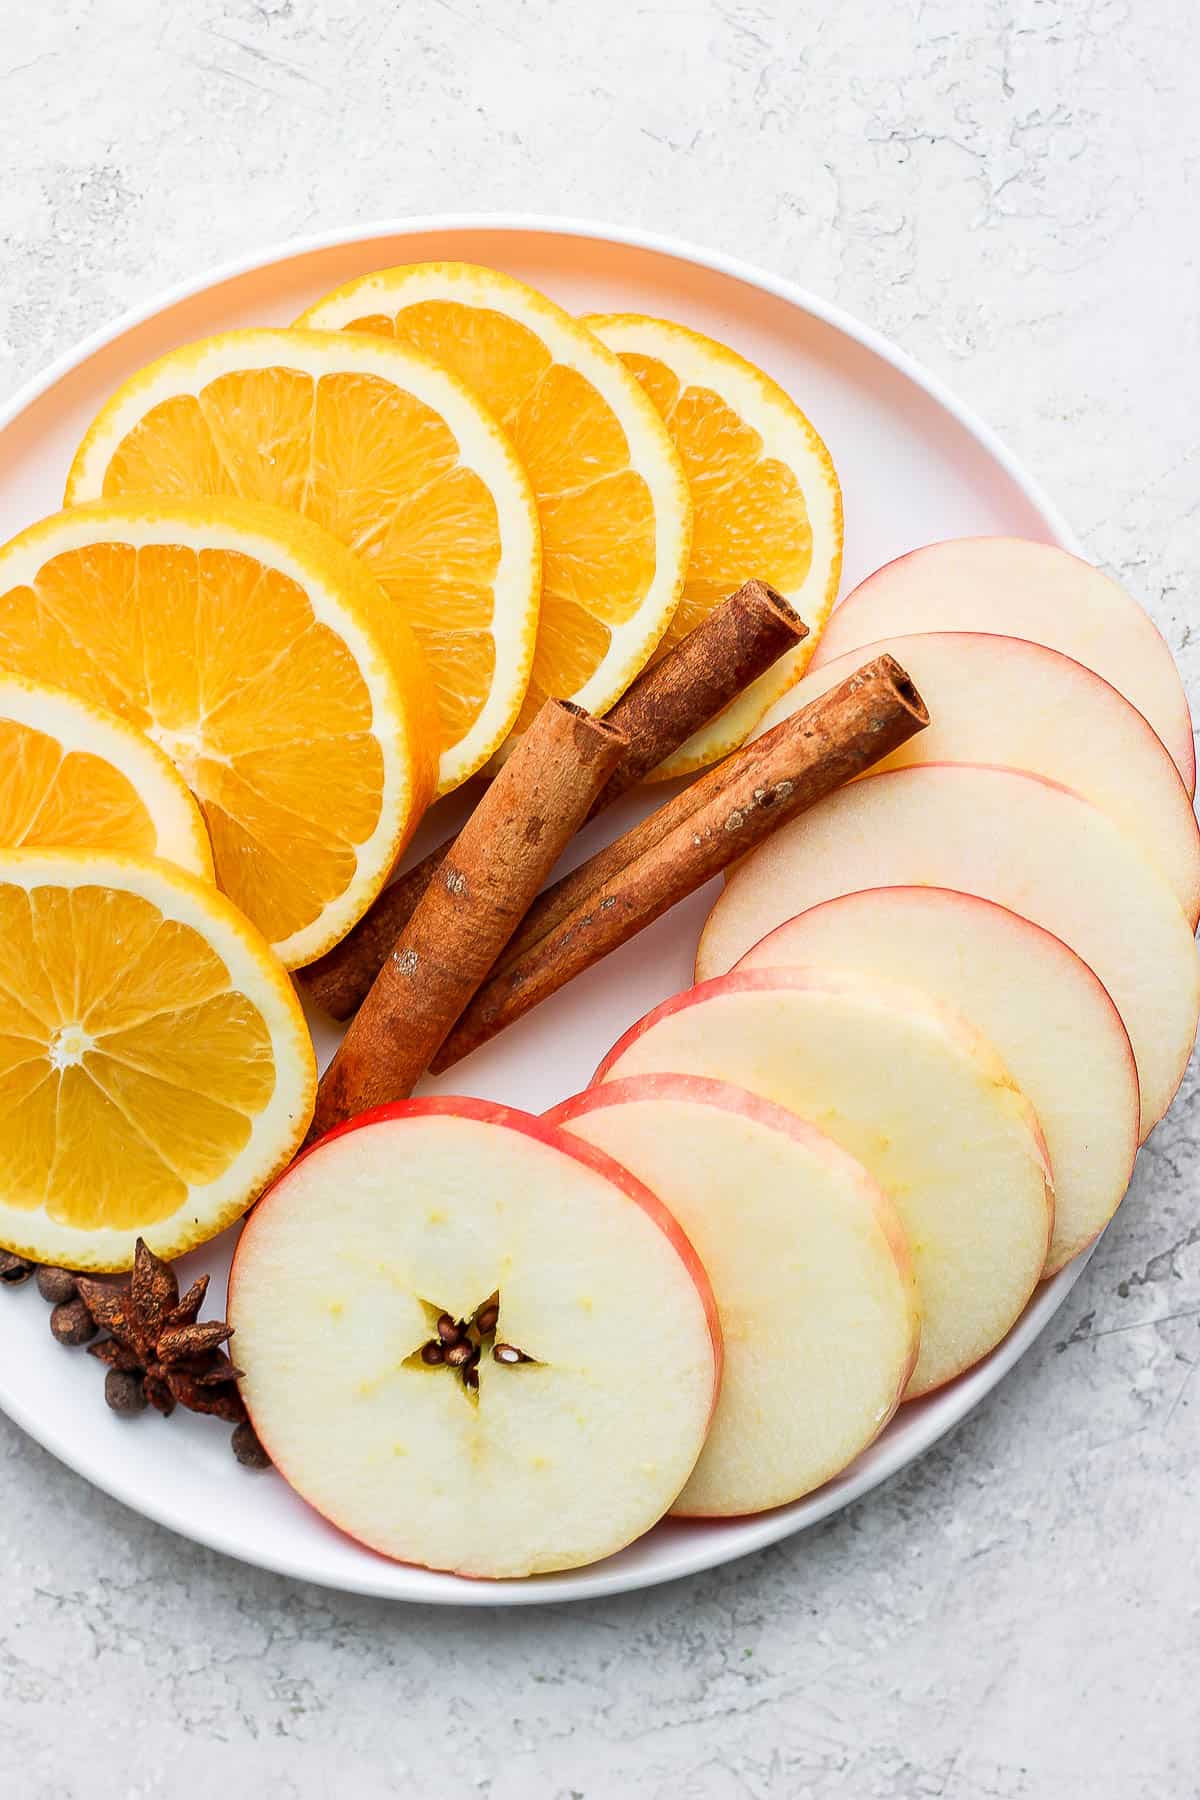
(14, 1269)
(72, 1323)
(124, 1392)
(247, 1448)
(56, 1285)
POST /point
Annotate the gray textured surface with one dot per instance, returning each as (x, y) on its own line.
(1009, 187)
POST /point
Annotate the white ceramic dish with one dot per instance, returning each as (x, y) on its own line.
(915, 465)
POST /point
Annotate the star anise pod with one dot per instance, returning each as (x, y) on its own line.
(156, 1337)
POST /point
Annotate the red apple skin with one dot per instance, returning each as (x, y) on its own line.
(747, 981)
(733, 1099)
(778, 1118)
(892, 775)
(1186, 878)
(1182, 748)
(488, 1112)
(1027, 925)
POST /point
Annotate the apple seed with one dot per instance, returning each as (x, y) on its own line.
(488, 1317)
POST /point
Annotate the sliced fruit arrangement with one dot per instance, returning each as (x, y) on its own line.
(1004, 700)
(917, 1096)
(1017, 588)
(611, 493)
(76, 775)
(388, 451)
(311, 578)
(155, 1067)
(809, 1265)
(1053, 1024)
(473, 1341)
(765, 495)
(1017, 839)
(264, 661)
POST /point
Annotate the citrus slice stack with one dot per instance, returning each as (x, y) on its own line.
(155, 1069)
(262, 659)
(386, 450)
(765, 495)
(611, 495)
(79, 777)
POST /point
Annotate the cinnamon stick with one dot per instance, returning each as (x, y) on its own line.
(712, 665)
(465, 917)
(340, 980)
(738, 642)
(570, 891)
(699, 833)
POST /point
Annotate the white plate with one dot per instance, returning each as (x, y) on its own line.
(915, 465)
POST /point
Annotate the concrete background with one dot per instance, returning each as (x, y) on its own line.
(1009, 188)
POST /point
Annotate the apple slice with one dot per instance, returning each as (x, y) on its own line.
(810, 1268)
(1021, 589)
(1011, 837)
(1055, 1027)
(417, 1235)
(1004, 700)
(912, 1091)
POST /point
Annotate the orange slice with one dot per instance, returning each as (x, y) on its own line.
(766, 497)
(78, 777)
(155, 1069)
(386, 450)
(613, 502)
(262, 659)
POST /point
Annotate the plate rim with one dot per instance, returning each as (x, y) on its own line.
(703, 1551)
(634, 237)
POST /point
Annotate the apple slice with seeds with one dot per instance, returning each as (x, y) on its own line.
(810, 1268)
(472, 1341)
(1041, 1006)
(912, 1091)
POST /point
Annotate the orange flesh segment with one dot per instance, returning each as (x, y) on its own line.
(262, 708)
(750, 514)
(131, 1078)
(48, 797)
(596, 512)
(372, 464)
